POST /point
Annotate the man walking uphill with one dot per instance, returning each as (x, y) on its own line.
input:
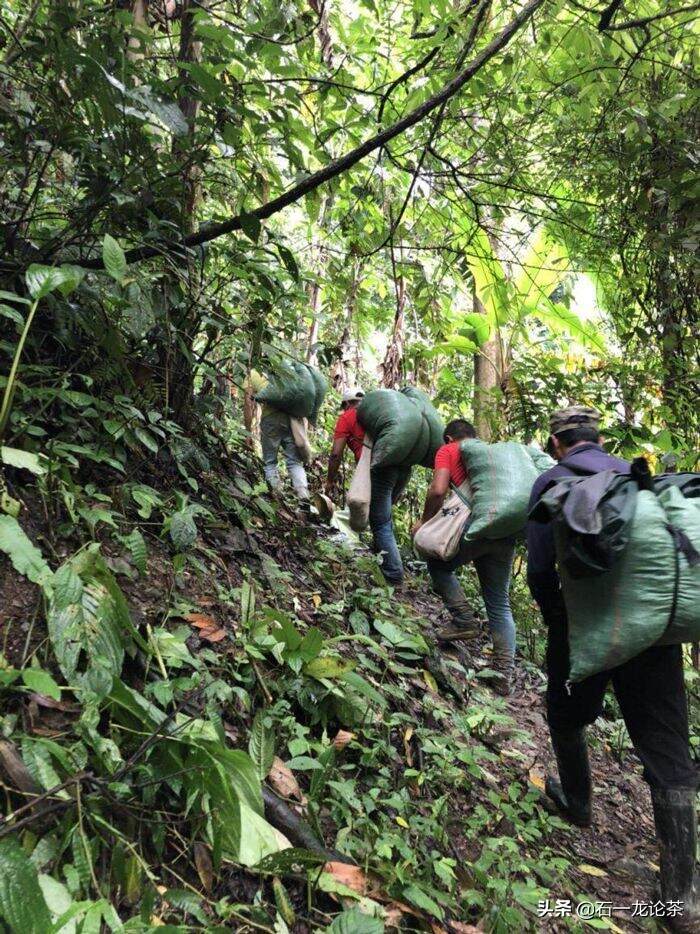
(348, 432)
(649, 689)
(276, 433)
(493, 560)
(388, 483)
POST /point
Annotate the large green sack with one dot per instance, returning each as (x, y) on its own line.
(616, 615)
(501, 476)
(432, 438)
(404, 427)
(296, 389)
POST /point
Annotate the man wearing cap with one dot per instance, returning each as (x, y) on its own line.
(348, 433)
(649, 688)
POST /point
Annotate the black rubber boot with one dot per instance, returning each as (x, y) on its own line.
(572, 793)
(676, 822)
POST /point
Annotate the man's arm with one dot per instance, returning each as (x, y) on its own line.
(437, 491)
(542, 577)
(334, 462)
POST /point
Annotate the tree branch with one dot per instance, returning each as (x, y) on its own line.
(211, 231)
(643, 21)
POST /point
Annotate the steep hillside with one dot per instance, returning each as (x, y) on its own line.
(219, 656)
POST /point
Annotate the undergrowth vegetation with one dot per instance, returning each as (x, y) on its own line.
(179, 671)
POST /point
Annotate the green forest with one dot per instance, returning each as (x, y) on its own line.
(218, 709)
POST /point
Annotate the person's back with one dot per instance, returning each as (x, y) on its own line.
(649, 688)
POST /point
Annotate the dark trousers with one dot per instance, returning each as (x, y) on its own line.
(650, 691)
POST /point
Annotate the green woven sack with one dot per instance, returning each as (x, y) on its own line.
(404, 427)
(616, 615)
(431, 437)
(296, 389)
(501, 477)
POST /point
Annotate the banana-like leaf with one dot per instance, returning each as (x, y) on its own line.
(561, 320)
(541, 269)
(457, 344)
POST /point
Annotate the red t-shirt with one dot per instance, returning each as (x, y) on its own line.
(349, 428)
(449, 457)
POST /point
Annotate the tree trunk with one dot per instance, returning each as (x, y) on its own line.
(180, 364)
(340, 370)
(391, 368)
(320, 8)
(319, 258)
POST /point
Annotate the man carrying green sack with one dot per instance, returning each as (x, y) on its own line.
(405, 430)
(649, 688)
(276, 433)
(492, 558)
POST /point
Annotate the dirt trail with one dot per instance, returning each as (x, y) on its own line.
(618, 852)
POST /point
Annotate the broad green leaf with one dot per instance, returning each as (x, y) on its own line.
(355, 922)
(25, 460)
(25, 556)
(167, 112)
(183, 530)
(114, 258)
(561, 320)
(44, 279)
(22, 903)
(419, 898)
(329, 667)
(287, 859)
(41, 681)
(89, 623)
(311, 645)
(136, 544)
(250, 225)
(261, 745)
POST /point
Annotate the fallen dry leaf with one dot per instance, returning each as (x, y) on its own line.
(342, 738)
(536, 778)
(407, 746)
(591, 870)
(349, 875)
(205, 868)
(459, 927)
(213, 635)
(12, 764)
(282, 780)
(201, 621)
(208, 627)
(430, 681)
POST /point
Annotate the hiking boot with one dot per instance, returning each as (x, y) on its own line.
(464, 624)
(455, 633)
(572, 793)
(676, 823)
(503, 664)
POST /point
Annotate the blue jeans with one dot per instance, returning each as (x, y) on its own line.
(276, 433)
(493, 561)
(388, 483)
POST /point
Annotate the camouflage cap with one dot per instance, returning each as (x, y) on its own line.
(575, 416)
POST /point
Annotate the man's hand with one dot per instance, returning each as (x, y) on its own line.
(415, 527)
